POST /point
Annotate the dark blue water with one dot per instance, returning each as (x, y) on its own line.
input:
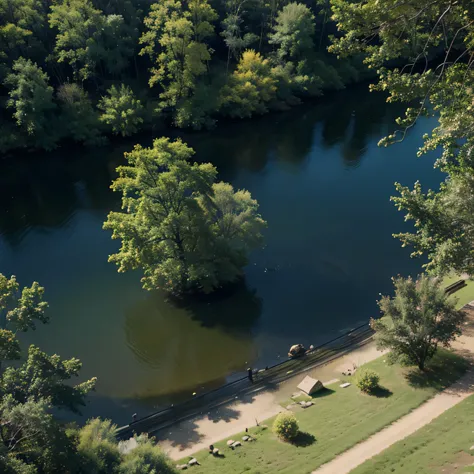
(323, 186)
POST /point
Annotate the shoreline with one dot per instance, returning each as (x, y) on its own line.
(198, 432)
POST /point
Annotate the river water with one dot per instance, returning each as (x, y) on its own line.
(323, 186)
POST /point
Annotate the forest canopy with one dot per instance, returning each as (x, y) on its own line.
(82, 70)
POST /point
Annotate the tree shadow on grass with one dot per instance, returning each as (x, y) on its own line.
(442, 371)
(303, 440)
(381, 392)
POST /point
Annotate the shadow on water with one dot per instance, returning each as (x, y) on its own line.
(193, 343)
(44, 190)
(350, 119)
(234, 308)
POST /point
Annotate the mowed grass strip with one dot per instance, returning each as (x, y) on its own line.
(464, 295)
(339, 419)
(441, 446)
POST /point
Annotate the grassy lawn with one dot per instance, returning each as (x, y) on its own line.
(442, 446)
(464, 295)
(339, 419)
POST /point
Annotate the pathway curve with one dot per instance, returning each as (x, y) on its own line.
(421, 416)
(402, 428)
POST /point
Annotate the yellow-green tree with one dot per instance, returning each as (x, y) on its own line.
(250, 88)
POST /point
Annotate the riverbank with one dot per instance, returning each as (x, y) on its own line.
(216, 424)
(193, 437)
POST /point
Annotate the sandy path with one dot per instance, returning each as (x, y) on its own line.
(192, 435)
(402, 428)
(419, 417)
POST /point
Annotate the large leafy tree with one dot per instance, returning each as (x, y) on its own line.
(79, 26)
(435, 43)
(92, 43)
(418, 319)
(175, 39)
(31, 98)
(293, 34)
(184, 230)
(31, 439)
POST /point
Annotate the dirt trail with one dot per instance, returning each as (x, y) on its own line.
(189, 436)
(402, 428)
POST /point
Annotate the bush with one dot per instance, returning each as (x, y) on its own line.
(367, 380)
(285, 426)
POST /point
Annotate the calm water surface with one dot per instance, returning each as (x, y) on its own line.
(323, 186)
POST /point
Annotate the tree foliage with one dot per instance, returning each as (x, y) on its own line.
(184, 230)
(32, 441)
(121, 111)
(367, 380)
(146, 458)
(40, 377)
(293, 32)
(175, 40)
(64, 62)
(250, 88)
(31, 98)
(435, 42)
(286, 426)
(418, 319)
(78, 117)
(79, 26)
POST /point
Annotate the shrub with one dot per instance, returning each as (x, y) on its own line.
(285, 426)
(367, 380)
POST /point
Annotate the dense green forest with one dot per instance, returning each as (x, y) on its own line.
(83, 70)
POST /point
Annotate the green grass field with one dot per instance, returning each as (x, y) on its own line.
(339, 419)
(464, 295)
(442, 446)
